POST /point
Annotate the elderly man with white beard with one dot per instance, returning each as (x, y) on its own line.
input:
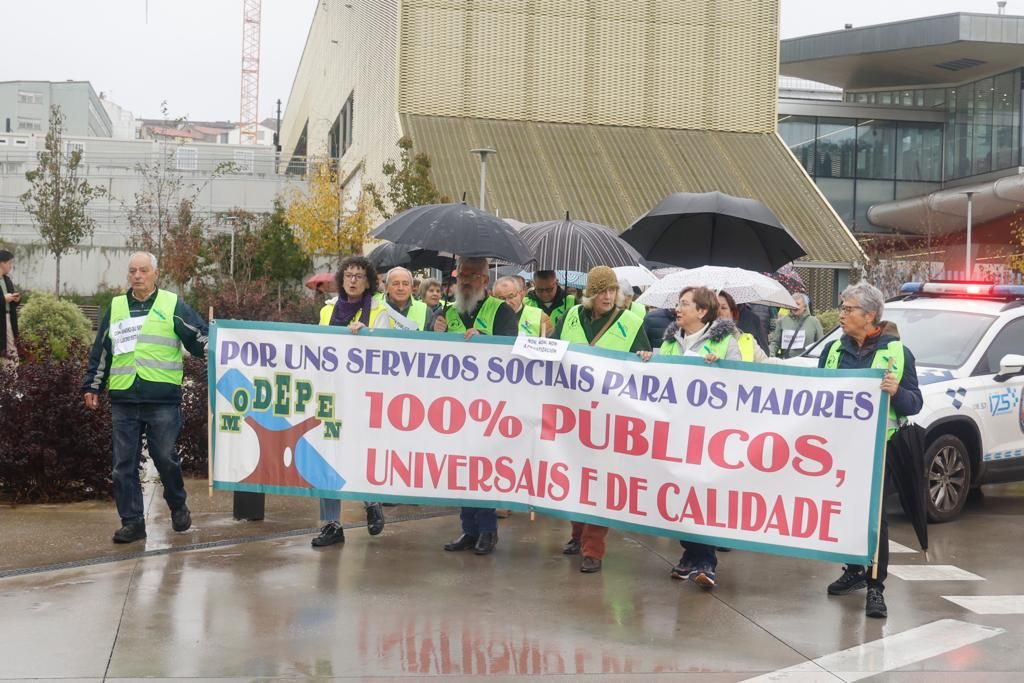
(476, 312)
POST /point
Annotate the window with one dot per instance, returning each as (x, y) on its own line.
(919, 151)
(798, 134)
(243, 161)
(876, 149)
(1005, 112)
(836, 148)
(72, 147)
(334, 139)
(869, 193)
(186, 159)
(25, 97)
(982, 124)
(1009, 340)
(29, 124)
(839, 193)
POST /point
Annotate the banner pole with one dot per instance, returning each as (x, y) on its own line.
(881, 484)
(209, 434)
(543, 334)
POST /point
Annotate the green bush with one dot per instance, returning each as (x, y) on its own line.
(50, 325)
(102, 298)
(829, 319)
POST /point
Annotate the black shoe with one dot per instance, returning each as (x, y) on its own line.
(572, 547)
(374, 519)
(181, 519)
(130, 532)
(723, 550)
(463, 542)
(874, 607)
(683, 570)
(590, 565)
(485, 544)
(330, 534)
(847, 583)
(704, 576)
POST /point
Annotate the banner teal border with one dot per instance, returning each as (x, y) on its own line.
(878, 463)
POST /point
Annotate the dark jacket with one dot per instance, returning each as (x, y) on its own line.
(656, 322)
(506, 321)
(908, 399)
(188, 326)
(11, 308)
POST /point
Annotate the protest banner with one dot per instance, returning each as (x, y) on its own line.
(771, 458)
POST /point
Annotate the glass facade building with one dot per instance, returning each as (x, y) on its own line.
(861, 162)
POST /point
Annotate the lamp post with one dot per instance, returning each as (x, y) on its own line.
(483, 152)
(968, 267)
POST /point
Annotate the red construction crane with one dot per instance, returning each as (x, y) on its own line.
(248, 119)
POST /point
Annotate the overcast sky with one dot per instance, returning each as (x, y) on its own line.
(188, 52)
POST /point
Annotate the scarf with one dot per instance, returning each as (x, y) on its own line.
(345, 310)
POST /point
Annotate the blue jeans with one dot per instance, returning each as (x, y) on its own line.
(161, 423)
(330, 509)
(476, 521)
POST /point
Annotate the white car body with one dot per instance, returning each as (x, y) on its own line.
(959, 343)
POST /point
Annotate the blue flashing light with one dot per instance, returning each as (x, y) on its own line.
(911, 288)
(1009, 291)
(963, 289)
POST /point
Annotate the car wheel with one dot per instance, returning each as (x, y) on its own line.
(948, 473)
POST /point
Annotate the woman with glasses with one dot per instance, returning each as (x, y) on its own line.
(355, 308)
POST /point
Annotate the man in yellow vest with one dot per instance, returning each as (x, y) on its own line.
(533, 322)
(549, 296)
(600, 321)
(401, 310)
(476, 312)
(870, 342)
(137, 356)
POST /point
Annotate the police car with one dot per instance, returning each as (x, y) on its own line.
(968, 340)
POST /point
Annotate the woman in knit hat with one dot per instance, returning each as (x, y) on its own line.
(600, 321)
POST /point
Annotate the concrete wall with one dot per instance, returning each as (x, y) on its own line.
(112, 164)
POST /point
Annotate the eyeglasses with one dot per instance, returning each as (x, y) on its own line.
(354, 277)
(847, 310)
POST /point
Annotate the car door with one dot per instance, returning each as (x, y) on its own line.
(1003, 409)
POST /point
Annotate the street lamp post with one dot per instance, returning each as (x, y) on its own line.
(483, 152)
(968, 266)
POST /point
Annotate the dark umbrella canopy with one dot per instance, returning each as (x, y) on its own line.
(711, 228)
(905, 464)
(390, 255)
(577, 245)
(456, 229)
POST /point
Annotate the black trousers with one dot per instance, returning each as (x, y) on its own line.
(883, 554)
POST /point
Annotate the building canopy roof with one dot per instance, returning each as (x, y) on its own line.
(611, 174)
(945, 49)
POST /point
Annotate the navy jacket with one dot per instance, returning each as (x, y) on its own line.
(908, 399)
(191, 330)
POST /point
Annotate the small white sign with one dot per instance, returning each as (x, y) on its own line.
(793, 339)
(124, 334)
(540, 348)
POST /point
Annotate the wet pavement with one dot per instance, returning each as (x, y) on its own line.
(397, 606)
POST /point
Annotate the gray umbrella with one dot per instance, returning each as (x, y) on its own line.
(713, 229)
(456, 229)
(577, 245)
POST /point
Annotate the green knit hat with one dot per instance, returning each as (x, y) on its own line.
(599, 279)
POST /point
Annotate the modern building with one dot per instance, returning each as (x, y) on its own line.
(25, 108)
(599, 108)
(221, 177)
(930, 111)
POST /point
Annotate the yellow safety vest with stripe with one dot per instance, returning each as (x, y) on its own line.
(720, 348)
(894, 350)
(557, 312)
(417, 313)
(156, 356)
(529, 321)
(484, 322)
(375, 310)
(618, 337)
(639, 309)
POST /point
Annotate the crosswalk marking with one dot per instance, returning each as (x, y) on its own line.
(932, 572)
(895, 548)
(989, 604)
(885, 654)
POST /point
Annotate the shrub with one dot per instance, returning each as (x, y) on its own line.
(51, 447)
(829, 319)
(192, 443)
(51, 326)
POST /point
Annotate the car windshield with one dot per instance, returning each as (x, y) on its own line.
(938, 339)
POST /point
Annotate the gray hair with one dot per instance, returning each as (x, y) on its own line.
(511, 279)
(152, 257)
(397, 269)
(803, 297)
(867, 296)
(426, 285)
(620, 300)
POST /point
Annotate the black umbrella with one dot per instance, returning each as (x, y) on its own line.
(904, 462)
(713, 229)
(456, 229)
(577, 245)
(389, 255)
